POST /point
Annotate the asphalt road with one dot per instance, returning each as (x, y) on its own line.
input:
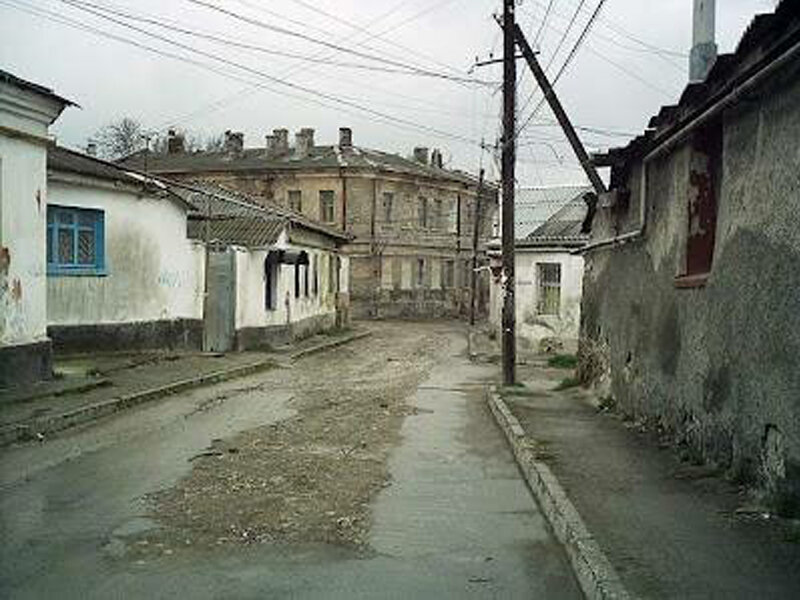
(456, 522)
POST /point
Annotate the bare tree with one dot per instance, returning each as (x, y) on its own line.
(120, 138)
(215, 143)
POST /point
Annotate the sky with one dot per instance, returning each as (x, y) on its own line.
(398, 72)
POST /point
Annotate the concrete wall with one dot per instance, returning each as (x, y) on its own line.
(154, 273)
(25, 353)
(717, 366)
(532, 327)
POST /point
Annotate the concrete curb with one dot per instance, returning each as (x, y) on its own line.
(50, 424)
(595, 573)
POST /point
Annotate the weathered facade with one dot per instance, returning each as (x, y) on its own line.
(121, 271)
(691, 306)
(26, 112)
(410, 221)
(548, 274)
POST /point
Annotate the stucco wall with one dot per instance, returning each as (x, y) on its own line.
(154, 272)
(718, 366)
(23, 201)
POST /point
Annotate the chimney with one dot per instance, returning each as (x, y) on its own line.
(304, 142)
(91, 148)
(436, 159)
(272, 144)
(234, 142)
(345, 137)
(175, 142)
(421, 155)
(281, 140)
(704, 48)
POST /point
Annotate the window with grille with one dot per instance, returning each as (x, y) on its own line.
(326, 206)
(549, 275)
(296, 200)
(75, 241)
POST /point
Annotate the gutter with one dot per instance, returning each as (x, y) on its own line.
(677, 136)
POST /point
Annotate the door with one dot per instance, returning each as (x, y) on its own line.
(219, 318)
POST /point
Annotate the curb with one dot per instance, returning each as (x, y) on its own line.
(29, 430)
(596, 575)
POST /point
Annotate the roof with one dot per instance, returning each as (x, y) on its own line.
(564, 227)
(69, 161)
(24, 84)
(319, 157)
(235, 218)
(765, 39)
(534, 206)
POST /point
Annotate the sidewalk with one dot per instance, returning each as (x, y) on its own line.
(93, 386)
(670, 529)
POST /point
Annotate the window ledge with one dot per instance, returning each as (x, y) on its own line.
(691, 281)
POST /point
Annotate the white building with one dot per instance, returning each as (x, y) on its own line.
(549, 278)
(26, 112)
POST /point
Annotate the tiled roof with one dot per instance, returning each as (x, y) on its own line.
(564, 227)
(767, 36)
(24, 84)
(250, 159)
(235, 218)
(534, 206)
(64, 160)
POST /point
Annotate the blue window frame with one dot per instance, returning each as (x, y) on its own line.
(75, 241)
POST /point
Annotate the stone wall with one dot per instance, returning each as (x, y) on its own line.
(716, 366)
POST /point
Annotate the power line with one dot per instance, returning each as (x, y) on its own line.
(354, 108)
(539, 34)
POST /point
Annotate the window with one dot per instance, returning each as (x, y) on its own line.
(331, 275)
(422, 212)
(296, 200)
(438, 217)
(315, 275)
(75, 241)
(448, 273)
(388, 200)
(326, 206)
(705, 170)
(297, 268)
(549, 276)
(420, 272)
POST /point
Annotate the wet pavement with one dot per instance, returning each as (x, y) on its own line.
(457, 520)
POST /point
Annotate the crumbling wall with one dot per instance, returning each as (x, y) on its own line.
(716, 367)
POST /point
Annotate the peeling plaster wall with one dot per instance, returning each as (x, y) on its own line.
(154, 272)
(717, 366)
(23, 214)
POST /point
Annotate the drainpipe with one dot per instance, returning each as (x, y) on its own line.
(676, 137)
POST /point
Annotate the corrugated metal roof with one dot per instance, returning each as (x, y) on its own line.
(332, 157)
(534, 206)
(220, 219)
(564, 227)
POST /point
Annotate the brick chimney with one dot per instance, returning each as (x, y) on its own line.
(234, 142)
(281, 140)
(421, 155)
(91, 148)
(345, 137)
(304, 142)
(175, 142)
(272, 143)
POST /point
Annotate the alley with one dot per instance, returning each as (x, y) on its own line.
(373, 470)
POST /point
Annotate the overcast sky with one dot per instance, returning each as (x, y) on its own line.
(632, 62)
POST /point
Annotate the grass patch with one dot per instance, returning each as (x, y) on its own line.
(567, 384)
(563, 361)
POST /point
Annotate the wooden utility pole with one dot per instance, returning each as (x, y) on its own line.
(475, 236)
(509, 180)
(558, 111)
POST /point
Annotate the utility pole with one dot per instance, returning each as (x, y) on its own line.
(558, 111)
(475, 235)
(509, 180)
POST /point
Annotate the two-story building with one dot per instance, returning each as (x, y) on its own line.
(410, 220)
